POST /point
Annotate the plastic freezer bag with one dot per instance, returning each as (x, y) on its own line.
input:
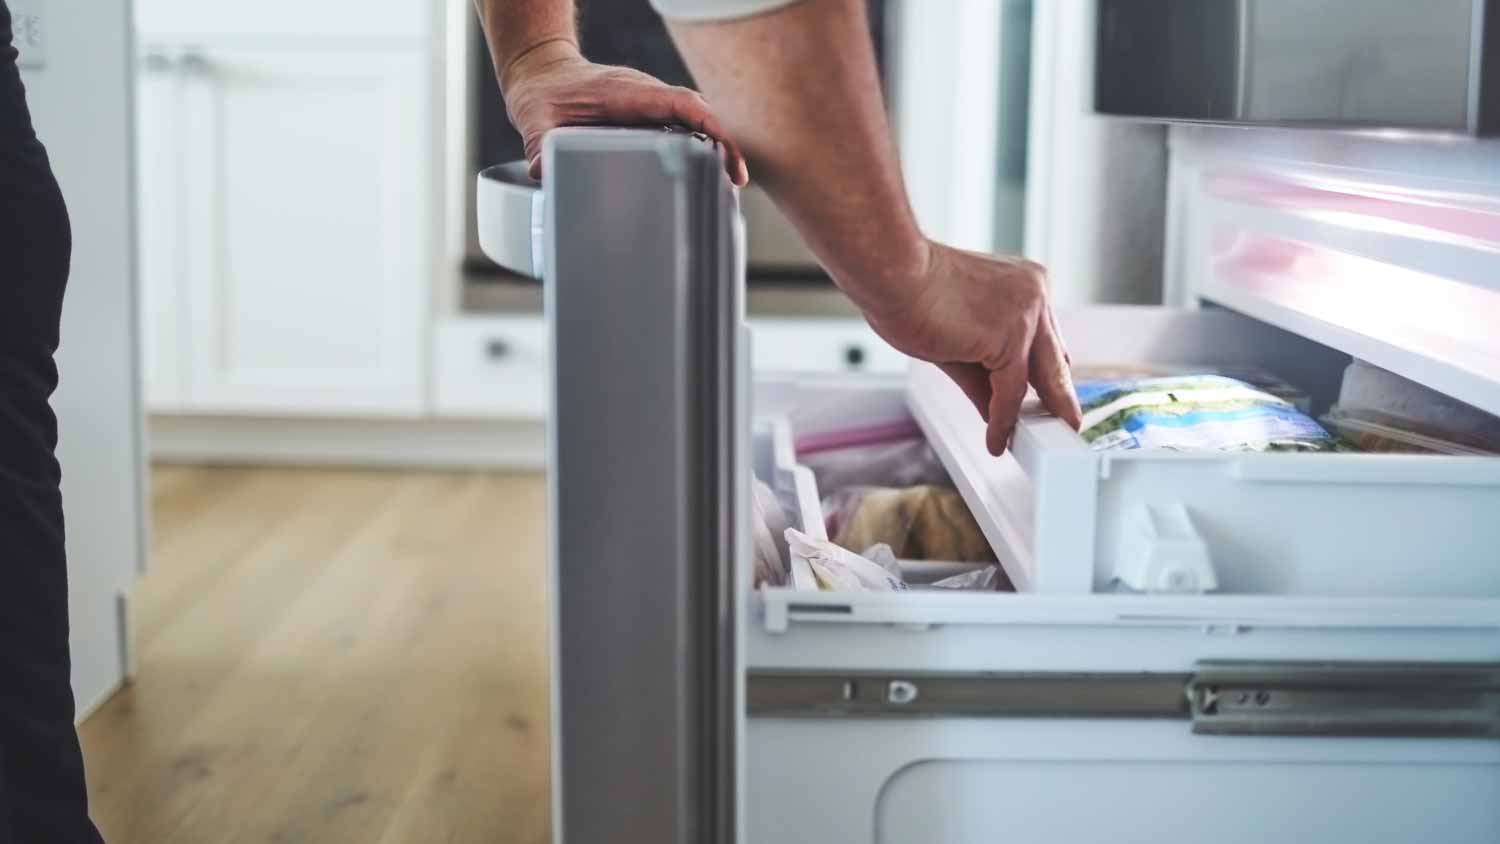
(838, 569)
(1194, 413)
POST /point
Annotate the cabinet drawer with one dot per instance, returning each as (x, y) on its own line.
(491, 367)
(821, 345)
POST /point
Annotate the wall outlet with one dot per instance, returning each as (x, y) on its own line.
(28, 20)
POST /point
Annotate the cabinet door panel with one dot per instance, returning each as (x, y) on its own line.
(307, 208)
(163, 310)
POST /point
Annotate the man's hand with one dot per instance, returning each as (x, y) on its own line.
(987, 323)
(552, 85)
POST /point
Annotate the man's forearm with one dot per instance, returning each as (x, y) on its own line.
(517, 28)
(799, 90)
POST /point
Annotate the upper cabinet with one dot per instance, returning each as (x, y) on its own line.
(286, 252)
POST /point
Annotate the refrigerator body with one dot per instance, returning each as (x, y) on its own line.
(1339, 682)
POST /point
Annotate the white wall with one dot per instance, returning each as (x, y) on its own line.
(80, 101)
(1095, 187)
(945, 89)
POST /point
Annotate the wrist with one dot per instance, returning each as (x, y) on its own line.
(536, 57)
(893, 284)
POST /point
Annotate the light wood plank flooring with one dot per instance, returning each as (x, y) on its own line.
(329, 657)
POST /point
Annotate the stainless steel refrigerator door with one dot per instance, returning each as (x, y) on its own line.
(645, 306)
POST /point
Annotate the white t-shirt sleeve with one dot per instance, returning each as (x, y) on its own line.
(715, 10)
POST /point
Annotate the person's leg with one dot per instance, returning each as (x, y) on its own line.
(42, 793)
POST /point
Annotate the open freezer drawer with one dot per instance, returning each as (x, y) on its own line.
(1108, 715)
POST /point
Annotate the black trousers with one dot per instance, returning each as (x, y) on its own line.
(42, 796)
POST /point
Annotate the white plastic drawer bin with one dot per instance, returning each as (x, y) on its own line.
(1066, 519)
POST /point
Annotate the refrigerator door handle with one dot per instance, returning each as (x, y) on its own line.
(512, 211)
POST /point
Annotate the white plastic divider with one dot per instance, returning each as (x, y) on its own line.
(1064, 473)
(796, 486)
(997, 490)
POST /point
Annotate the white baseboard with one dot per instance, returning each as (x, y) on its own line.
(423, 443)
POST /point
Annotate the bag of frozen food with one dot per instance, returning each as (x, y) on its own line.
(1373, 395)
(919, 523)
(1370, 431)
(1193, 413)
(838, 569)
(1255, 376)
(986, 579)
(888, 454)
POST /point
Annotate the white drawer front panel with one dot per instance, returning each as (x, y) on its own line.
(821, 345)
(491, 367)
(1060, 781)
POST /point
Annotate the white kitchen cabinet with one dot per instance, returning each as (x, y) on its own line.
(162, 319)
(491, 367)
(495, 366)
(821, 345)
(286, 239)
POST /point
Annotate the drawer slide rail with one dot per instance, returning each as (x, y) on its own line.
(1431, 700)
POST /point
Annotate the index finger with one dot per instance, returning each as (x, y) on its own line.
(1051, 375)
(688, 108)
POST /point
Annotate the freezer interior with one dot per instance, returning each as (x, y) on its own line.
(1065, 519)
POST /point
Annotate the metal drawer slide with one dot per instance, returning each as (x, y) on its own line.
(1218, 698)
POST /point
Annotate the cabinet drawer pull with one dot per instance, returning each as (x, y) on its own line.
(854, 356)
(497, 349)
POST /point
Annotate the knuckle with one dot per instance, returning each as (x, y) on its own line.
(1034, 279)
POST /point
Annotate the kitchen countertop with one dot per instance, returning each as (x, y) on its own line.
(778, 298)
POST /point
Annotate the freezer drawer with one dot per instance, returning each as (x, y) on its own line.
(1108, 715)
(1043, 781)
(1066, 519)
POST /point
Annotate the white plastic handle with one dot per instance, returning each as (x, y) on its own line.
(510, 206)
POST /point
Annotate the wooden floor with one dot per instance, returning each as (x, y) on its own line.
(329, 657)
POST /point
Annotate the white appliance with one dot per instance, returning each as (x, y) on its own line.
(1341, 683)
